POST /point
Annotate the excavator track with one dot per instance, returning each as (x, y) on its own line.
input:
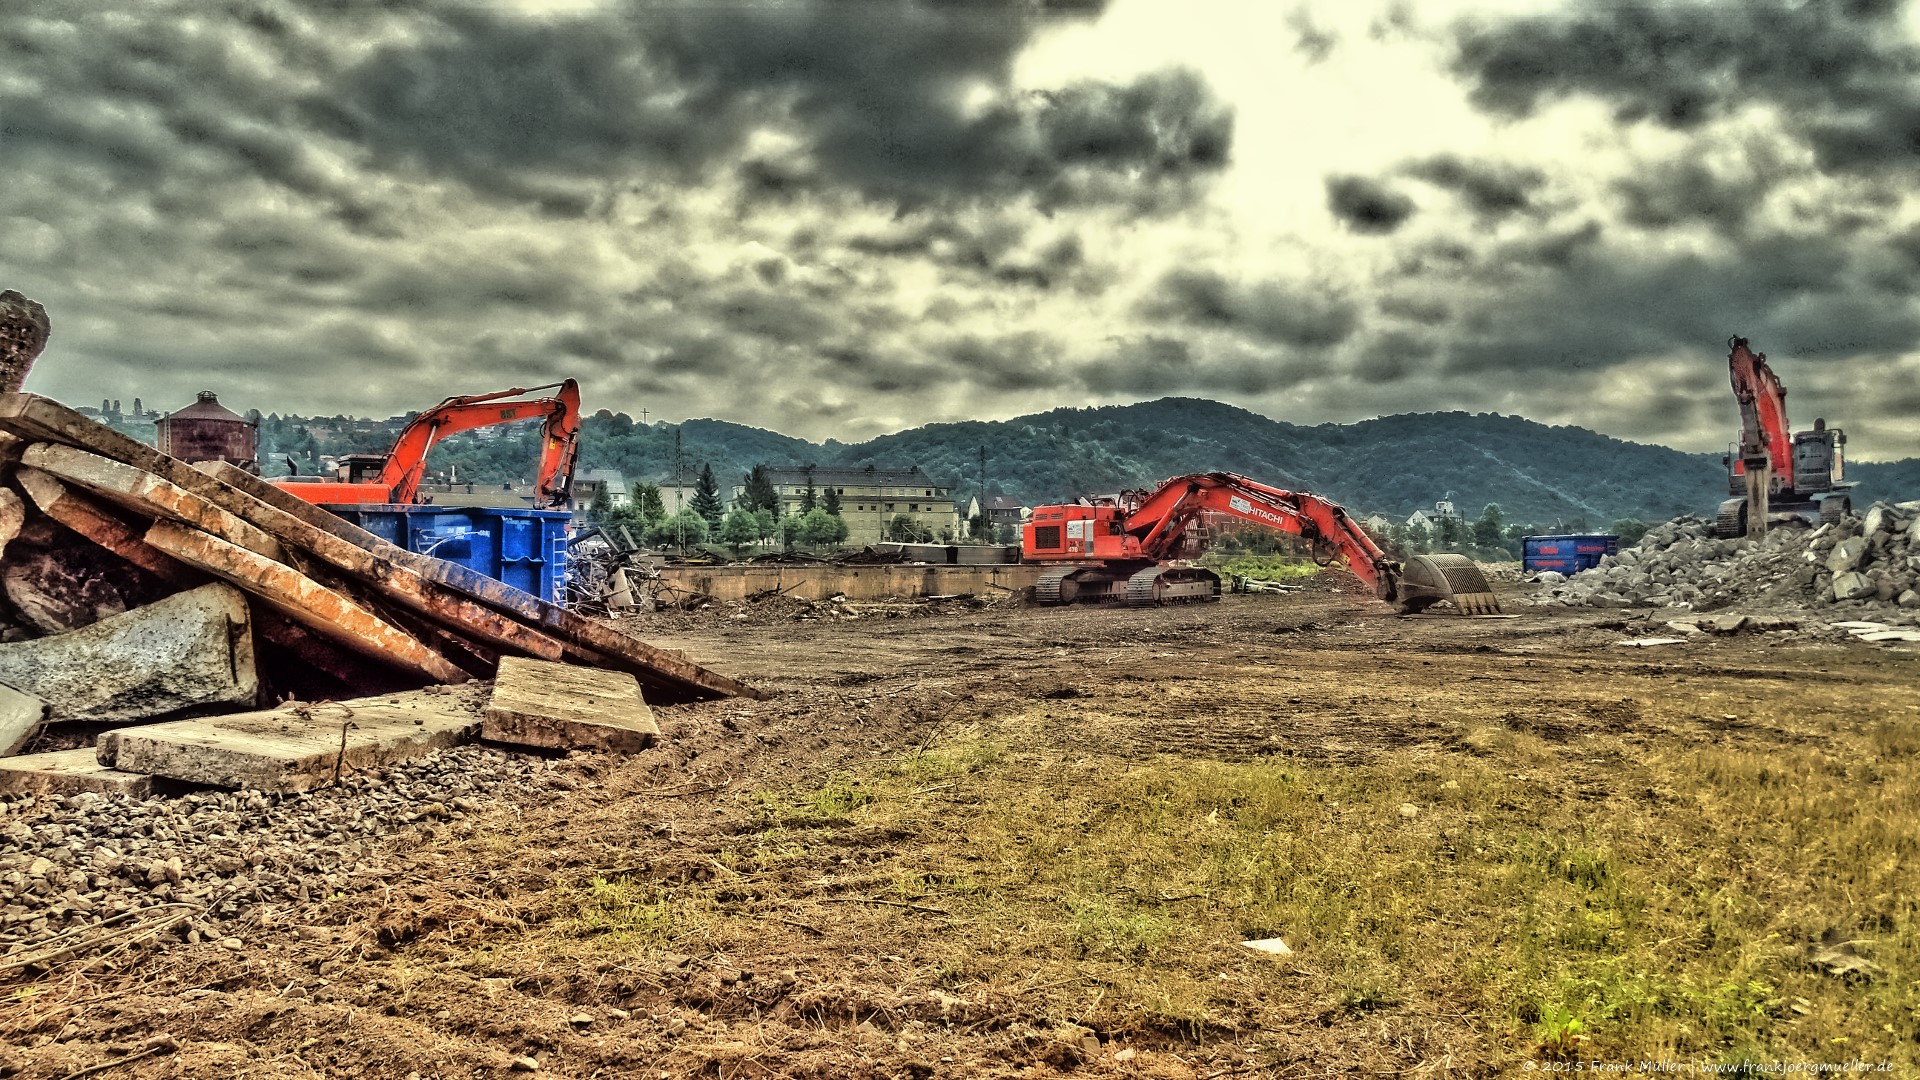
(1051, 584)
(1732, 520)
(1173, 585)
(1430, 579)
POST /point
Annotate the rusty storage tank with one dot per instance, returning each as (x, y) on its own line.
(209, 431)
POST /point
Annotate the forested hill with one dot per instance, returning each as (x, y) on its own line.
(1394, 465)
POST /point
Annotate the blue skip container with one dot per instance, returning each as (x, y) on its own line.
(1567, 554)
(525, 548)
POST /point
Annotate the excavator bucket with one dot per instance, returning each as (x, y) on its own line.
(1429, 579)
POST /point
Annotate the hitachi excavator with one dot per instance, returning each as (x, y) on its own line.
(1770, 471)
(1121, 547)
(394, 477)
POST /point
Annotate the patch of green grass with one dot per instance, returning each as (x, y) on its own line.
(1101, 926)
(629, 911)
(1262, 567)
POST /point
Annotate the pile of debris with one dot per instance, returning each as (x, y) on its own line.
(1866, 563)
(141, 589)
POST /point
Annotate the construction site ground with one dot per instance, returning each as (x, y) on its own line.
(1014, 841)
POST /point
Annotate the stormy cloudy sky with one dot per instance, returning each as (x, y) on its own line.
(839, 219)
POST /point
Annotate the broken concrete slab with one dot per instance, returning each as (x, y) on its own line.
(293, 748)
(190, 650)
(21, 714)
(1853, 585)
(1647, 642)
(562, 707)
(13, 516)
(68, 772)
(1890, 635)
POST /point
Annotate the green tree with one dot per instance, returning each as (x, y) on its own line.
(600, 506)
(830, 502)
(1419, 540)
(1486, 531)
(739, 529)
(1007, 533)
(809, 498)
(706, 497)
(1630, 530)
(903, 529)
(791, 529)
(652, 506)
(759, 493)
(682, 530)
(766, 524)
(822, 528)
(1447, 532)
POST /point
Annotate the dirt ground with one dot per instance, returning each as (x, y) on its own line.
(768, 893)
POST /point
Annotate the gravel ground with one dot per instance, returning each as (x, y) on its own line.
(196, 866)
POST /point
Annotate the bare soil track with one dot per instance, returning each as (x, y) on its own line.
(525, 933)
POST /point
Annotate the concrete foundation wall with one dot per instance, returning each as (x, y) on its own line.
(855, 582)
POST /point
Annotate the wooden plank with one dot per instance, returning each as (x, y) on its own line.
(146, 493)
(304, 600)
(103, 527)
(448, 593)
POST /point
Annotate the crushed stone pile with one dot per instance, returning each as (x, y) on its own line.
(72, 864)
(1867, 563)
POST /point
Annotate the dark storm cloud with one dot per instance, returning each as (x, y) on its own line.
(1393, 356)
(1015, 362)
(1843, 75)
(1794, 293)
(1367, 206)
(1145, 366)
(902, 101)
(997, 249)
(1274, 311)
(1309, 39)
(1491, 189)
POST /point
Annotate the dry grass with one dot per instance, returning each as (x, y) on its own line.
(1661, 906)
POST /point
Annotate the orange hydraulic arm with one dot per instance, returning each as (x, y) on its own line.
(1764, 437)
(1159, 521)
(406, 464)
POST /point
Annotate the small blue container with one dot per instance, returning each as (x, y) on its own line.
(527, 548)
(1567, 554)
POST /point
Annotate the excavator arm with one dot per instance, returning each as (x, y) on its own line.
(1160, 522)
(406, 464)
(560, 444)
(1764, 432)
(1123, 547)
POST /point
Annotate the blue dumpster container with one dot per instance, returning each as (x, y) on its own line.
(1568, 554)
(525, 548)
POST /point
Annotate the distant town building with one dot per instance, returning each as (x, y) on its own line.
(611, 480)
(1007, 510)
(870, 497)
(1419, 519)
(1378, 525)
(208, 431)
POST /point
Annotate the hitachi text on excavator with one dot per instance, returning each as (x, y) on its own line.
(1122, 547)
(394, 477)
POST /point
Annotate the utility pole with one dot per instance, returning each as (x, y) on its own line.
(984, 517)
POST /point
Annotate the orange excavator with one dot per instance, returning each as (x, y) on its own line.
(1770, 471)
(394, 477)
(1122, 547)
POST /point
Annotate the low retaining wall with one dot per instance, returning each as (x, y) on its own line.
(854, 582)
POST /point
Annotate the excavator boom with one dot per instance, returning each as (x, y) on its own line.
(1120, 547)
(405, 465)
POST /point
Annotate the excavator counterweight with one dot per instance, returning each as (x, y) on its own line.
(1125, 547)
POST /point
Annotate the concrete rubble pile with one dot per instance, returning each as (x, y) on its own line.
(155, 612)
(1866, 564)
